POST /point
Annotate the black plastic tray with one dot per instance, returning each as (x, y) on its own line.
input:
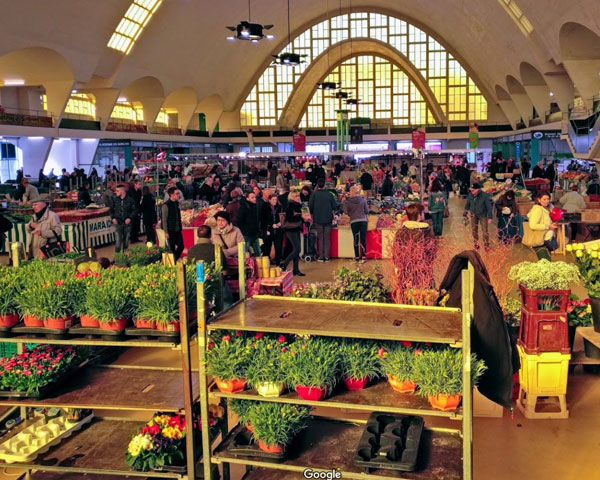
(6, 331)
(52, 333)
(243, 444)
(390, 441)
(97, 332)
(151, 333)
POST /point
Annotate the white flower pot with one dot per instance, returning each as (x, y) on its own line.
(270, 389)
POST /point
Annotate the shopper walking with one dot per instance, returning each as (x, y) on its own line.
(322, 205)
(270, 227)
(525, 167)
(148, 213)
(538, 170)
(122, 212)
(507, 210)
(479, 208)
(233, 206)
(171, 222)
(43, 227)
(366, 181)
(136, 194)
(293, 227)
(357, 209)
(31, 193)
(437, 204)
(550, 174)
(248, 223)
(539, 221)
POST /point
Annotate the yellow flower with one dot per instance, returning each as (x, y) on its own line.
(594, 254)
(579, 254)
(595, 246)
(588, 309)
(569, 248)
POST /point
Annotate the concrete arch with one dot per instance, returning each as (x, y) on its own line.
(507, 106)
(580, 51)
(519, 97)
(324, 63)
(184, 100)
(212, 107)
(40, 66)
(150, 92)
(536, 87)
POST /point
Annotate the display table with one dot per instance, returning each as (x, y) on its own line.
(379, 242)
(277, 285)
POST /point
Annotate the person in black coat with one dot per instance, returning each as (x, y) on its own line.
(270, 227)
(248, 223)
(136, 194)
(525, 167)
(538, 171)
(387, 188)
(293, 218)
(206, 191)
(550, 174)
(148, 212)
(84, 194)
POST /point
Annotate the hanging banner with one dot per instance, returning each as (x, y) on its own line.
(473, 135)
(250, 140)
(418, 138)
(299, 142)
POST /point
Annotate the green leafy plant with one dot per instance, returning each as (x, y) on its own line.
(588, 262)
(110, 297)
(138, 255)
(11, 285)
(57, 299)
(359, 360)
(266, 360)
(398, 359)
(242, 409)
(277, 423)
(228, 355)
(313, 362)
(544, 275)
(440, 371)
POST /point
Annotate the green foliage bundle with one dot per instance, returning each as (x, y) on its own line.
(358, 359)
(139, 255)
(110, 296)
(312, 362)
(11, 285)
(266, 360)
(242, 409)
(398, 359)
(277, 423)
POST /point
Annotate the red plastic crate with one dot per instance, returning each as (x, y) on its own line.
(544, 332)
(531, 299)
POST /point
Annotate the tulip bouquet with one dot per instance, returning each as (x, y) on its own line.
(587, 259)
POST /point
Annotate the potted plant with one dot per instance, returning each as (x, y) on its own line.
(10, 287)
(227, 359)
(276, 424)
(439, 376)
(588, 262)
(579, 314)
(242, 409)
(397, 361)
(358, 363)
(56, 303)
(265, 372)
(511, 307)
(312, 367)
(139, 255)
(110, 300)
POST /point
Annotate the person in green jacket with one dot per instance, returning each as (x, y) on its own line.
(437, 204)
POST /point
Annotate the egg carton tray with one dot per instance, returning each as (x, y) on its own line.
(36, 439)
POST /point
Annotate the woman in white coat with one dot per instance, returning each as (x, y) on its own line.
(44, 226)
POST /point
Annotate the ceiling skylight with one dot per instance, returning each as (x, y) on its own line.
(517, 14)
(131, 25)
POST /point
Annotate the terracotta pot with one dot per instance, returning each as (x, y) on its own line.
(249, 427)
(356, 383)
(270, 389)
(168, 327)
(231, 386)
(59, 323)
(88, 321)
(444, 402)
(116, 324)
(400, 386)
(9, 320)
(270, 448)
(311, 393)
(145, 323)
(32, 321)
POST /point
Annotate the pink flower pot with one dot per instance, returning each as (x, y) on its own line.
(356, 383)
(311, 393)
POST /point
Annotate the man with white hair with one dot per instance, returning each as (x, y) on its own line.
(44, 226)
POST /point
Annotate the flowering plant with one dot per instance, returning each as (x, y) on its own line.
(397, 359)
(359, 360)
(312, 362)
(421, 296)
(587, 260)
(138, 255)
(228, 355)
(277, 423)
(56, 299)
(579, 313)
(38, 367)
(110, 296)
(512, 310)
(544, 275)
(266, 360)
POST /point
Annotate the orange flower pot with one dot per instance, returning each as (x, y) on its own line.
(249, 427)
(400, 386)
(231, 386)
(270, 448)
(32, 321)
(444, 402)
(145, 323)
(59, 323)
(168, 327)
(88, 321)
(116, 324)
(9, 320)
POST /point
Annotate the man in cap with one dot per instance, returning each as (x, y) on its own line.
(44, 226)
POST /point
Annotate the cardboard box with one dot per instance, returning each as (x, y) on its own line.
(482, 407)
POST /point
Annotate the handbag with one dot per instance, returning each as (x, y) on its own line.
(287, 225)
(53, 248)
(446, 212)
(532, 238)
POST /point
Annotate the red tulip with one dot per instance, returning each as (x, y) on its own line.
(259, 335)
(406, 344)
(281, 338)
(381, 352)
(226, 338)
(238, 334)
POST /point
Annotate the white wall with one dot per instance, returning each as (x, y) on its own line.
(86, 149)
(63, 154)
(35, 150)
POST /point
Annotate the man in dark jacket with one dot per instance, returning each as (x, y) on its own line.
(249, 223)
(550, 174)
(203, 250)
(366, 182)
(136, 194)
(525, 166)
(538, 171)
(171, 222)
(206, 191)
(122, 212)
(479, 207)
(322, 205)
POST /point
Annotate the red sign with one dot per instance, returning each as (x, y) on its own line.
(299, 142)
(418, 138)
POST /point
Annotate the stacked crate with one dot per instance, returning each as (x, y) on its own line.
(544, 352)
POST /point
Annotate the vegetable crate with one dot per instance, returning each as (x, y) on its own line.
(544, 332)
(537, 301)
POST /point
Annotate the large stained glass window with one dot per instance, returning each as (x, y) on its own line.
(457, 94)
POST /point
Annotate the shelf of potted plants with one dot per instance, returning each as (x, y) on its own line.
(311, 359)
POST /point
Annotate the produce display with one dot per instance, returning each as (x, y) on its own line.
(196, 218)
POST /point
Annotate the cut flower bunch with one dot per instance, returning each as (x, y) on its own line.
(587, 260)
(544, 275)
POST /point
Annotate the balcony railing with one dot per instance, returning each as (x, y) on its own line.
(27, 118)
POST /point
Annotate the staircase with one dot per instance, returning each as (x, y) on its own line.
(583, 128)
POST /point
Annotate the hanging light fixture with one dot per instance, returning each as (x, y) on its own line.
(246, 30)
(289, 59)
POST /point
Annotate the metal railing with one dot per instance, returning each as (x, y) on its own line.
(125, 125)
(25, 117)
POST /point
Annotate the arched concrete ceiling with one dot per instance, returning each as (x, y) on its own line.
(536, 88)
(507, 105)
(519, 97)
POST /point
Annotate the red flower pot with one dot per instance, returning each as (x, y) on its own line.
(59, 323)
(168, 327)
(9, 320)
(311, 393)
(231, 386)
(249, 427)
(32, 321)
(117, 324)
(356, 383)
(400, 386)
(88, 321)
(444, 402)
(145, 323)
(271, 448)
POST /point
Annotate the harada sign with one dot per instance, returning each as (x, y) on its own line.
(100, 226)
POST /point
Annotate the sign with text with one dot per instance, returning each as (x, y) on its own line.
(418, 138)
(299, 142)
(100, 226)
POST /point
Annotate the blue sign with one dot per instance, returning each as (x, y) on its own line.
(518, 149)
(200, 272)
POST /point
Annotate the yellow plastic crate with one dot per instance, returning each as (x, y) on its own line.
(545, 373)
